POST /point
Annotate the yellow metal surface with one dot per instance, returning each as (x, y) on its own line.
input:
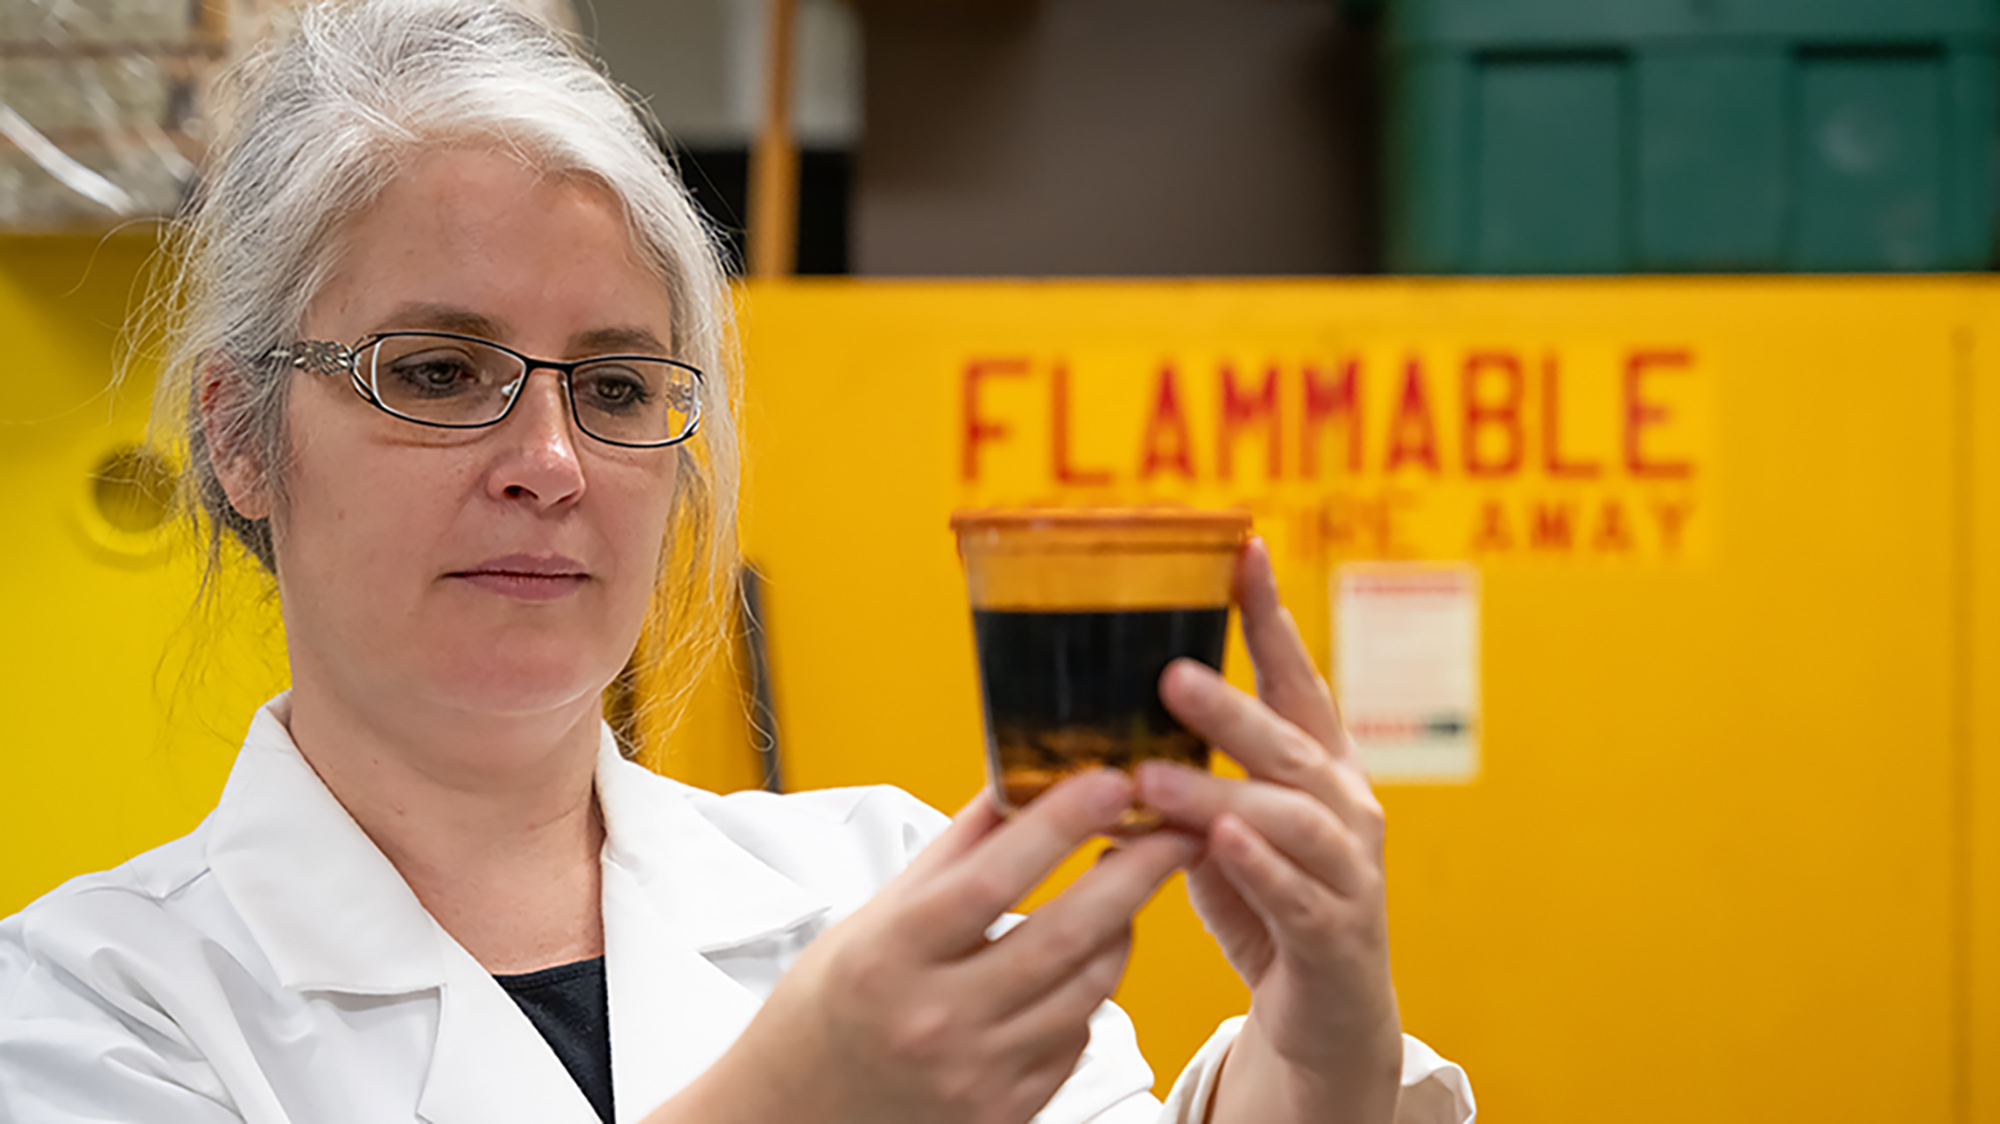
(1711, 850)
(1976, 950)
(100, 654)
(1732, 853)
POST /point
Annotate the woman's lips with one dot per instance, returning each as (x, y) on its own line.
(527, 577)
(525, 587)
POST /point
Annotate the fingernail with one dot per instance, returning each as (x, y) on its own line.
(1230, 828)
(1163, 783)
(1111, 791)
(1193, 673)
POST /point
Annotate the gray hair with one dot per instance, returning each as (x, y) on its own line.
(314, 125)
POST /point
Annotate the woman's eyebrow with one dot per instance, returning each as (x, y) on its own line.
(444, 318)
(421, 316)
(605, 341)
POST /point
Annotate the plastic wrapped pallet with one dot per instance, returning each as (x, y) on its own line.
(101, 101)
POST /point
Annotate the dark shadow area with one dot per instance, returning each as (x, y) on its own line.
(1117, 137)
(719, 178)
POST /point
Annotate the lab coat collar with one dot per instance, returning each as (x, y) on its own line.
(711, 893)
(325, 905)
(677, 890)
(332, 913)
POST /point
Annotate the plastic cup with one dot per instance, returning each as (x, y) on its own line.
(1076, 612)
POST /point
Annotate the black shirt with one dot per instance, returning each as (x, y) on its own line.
(569, 1005)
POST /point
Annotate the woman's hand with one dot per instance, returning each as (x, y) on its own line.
(906, 1011)
(1291, 886)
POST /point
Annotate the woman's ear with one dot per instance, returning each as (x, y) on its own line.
(237, 467)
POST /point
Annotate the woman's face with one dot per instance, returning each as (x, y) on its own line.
(495, 572)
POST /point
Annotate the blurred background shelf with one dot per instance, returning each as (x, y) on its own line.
(100, 105)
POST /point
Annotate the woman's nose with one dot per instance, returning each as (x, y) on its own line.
(537, 460)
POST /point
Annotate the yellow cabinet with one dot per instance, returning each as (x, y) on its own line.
(1730, 849)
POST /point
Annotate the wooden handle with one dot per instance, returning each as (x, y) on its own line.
(774, 172)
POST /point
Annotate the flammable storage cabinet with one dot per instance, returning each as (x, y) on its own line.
(1586, 136)
(1713, 564)
(1707, 838)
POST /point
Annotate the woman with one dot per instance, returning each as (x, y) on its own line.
(447, 362)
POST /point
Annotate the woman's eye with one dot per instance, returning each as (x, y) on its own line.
(435, 375)
(615, 389)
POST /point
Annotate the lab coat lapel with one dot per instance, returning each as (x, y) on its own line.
(490, 1062)
(677, 890)
(672, 1011)
(332, 914)
(324, 904)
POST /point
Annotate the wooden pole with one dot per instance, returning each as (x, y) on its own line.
(774, 172)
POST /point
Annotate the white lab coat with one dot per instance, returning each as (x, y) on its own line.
(273, 967)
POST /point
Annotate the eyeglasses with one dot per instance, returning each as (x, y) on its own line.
(463, 382)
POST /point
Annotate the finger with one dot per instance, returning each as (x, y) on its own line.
(1092, 914)
(1304, 830)
(974, 822)
(1300, 912)
(1269, 747)
(969, 893)
(1055, 1017)
(1238, 930)
(1286, 677)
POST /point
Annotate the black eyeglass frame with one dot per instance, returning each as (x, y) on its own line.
(325, 357)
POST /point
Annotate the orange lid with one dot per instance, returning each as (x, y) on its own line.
(1164, 517)
(1099, 558)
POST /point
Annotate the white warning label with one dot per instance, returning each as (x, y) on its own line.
(1407, 667)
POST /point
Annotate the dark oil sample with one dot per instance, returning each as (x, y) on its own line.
(1068, 691)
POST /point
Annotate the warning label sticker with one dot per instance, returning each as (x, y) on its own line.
(1407, 667)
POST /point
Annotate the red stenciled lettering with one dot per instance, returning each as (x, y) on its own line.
(1553, 461)
(1335, 528)
(1640, 413)
(1672, 518)
(1304, 540)
(1324, 401)
(1240, 412)
(1491, 536)
(977, 430)
(1166, 423)
(1412, 435)
(1551, 527)
(1366, 522)
(1613, 536)
(1504, 415)
(1065, 472)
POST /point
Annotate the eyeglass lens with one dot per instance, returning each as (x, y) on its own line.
(455, 382)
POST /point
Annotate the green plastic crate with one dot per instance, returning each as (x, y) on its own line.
(1598, 136)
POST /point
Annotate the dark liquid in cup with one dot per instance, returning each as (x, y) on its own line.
(1072, 691)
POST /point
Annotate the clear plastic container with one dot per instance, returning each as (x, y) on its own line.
(1076, 612)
